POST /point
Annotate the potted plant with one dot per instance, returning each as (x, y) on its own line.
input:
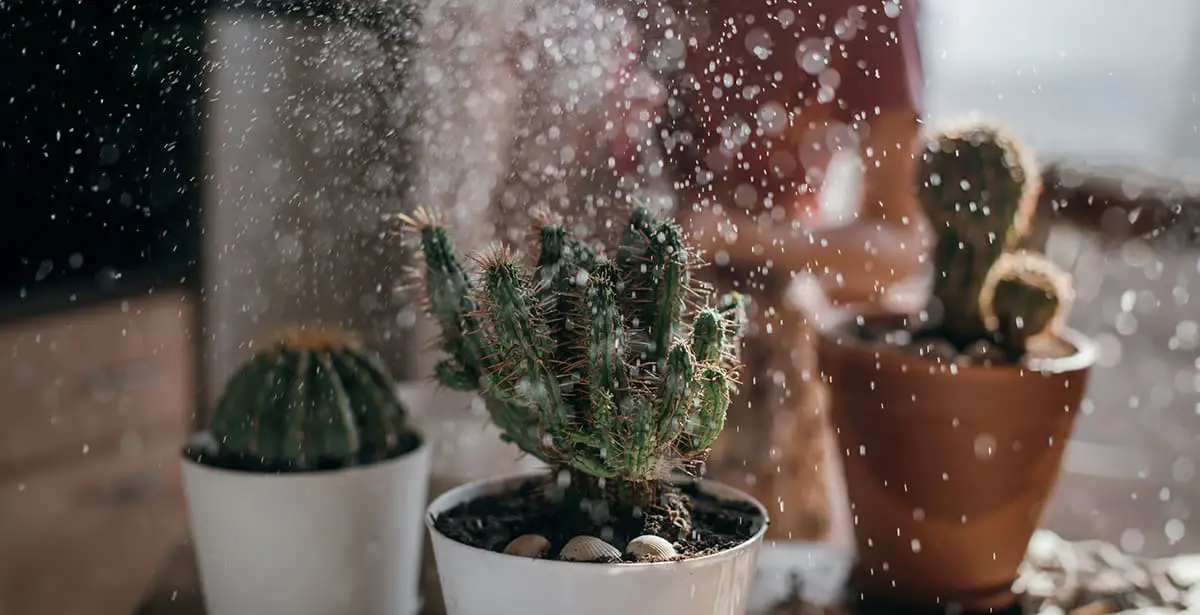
(953, 421)
(613, 371)
(306, 493)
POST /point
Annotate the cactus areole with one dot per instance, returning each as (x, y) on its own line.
(310, 399)
(979, 188)
(614, 368)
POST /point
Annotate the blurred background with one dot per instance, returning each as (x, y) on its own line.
(158, 212)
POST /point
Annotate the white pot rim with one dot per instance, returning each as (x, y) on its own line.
(501, 483)
(421, 448)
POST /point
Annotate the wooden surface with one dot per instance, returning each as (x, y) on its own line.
(94, 405)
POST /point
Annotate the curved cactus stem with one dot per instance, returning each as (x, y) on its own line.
(672, 400)
(522, 345)
(606, 343)
(636, 237)
(708, 336)
(450, 302)
(669, 265)
(641, 443)
(712, 401)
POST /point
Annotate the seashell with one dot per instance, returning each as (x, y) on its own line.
(588, 549)
(651, 547)
(528, 545)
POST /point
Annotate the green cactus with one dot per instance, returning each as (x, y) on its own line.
(312, 399)
(1023, 296)
(978, 188)
(600, 367)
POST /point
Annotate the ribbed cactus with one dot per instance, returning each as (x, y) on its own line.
(593, 363)
(979, 189)
(1023, 296)
(311, 399)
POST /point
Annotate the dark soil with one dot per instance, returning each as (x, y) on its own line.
(209, 454)
(907, 335)
(539, 507)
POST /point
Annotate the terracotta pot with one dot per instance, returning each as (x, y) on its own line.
(947, 468)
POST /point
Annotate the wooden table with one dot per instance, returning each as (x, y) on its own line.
(1105, 581)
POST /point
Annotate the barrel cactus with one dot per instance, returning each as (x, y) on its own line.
(605, 366)
(979, 189)
(311, 399)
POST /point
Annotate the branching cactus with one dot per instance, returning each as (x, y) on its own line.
(1024, 295)
(311, 399)
(979, 189)
(607, 366)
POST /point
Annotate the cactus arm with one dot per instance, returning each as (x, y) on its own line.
(606, 343)
(1024, 295)
(450, 303)
(708, 336)
(712, 401)
(332, 420)
(673, 394)
(522, 346)
(662, 312)
(636, 237)
(641, 441)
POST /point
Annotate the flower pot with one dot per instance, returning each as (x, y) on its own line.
(480, 582)
(466, 446)
(340, 542)
(948, 468)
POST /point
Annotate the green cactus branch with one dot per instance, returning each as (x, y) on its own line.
(597, 366)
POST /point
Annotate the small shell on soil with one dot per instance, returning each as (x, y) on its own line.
(589, 549)
(528, 545)
(650, 548)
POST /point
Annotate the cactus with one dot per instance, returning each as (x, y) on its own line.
(600, 367)
(311, 399)
(1024, 295)
(978, 188)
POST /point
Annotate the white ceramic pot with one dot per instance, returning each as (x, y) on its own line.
(480, 582)
(344, 542)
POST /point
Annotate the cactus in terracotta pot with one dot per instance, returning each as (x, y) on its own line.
(311, 399)
(604, 366)
(979, 188)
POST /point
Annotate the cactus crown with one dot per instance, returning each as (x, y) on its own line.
(603, 366)
(979, 188)
(309, 399)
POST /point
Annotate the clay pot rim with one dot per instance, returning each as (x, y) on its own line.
(1085, 356)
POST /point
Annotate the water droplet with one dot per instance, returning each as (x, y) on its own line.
(985, 446)
(916, 545)
(1174, 530)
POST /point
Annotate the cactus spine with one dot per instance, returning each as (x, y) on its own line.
(601, 367)
(311, 399)
(979, 188)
